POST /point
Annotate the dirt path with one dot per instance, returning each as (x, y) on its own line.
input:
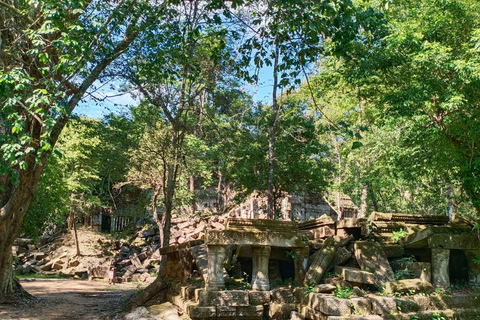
(59, 299)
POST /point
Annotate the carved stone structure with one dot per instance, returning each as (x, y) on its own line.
(262, 235)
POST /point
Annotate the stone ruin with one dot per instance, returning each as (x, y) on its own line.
(325, 269)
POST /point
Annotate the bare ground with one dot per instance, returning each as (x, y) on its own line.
(59, 299)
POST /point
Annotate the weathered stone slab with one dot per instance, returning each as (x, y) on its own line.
(282, 295)
(454, 241)
(239, 224)
(407, 305)
(409, 218)
(383, 305)
(361, 305)
(312, 314)
(321, 262)
(324, 288)
(371, 258)
(324, 220)
(329, 305)
(421, 270)
(286, 239)
(229, 298)
(250, 312)
(408, 286)
(351, 223)
(393, 250)
(281, 311)
(440, 263)
(355, 275)
(259, 297)
(341, 256)
(227, 312)
(201, 259)
(196, 312)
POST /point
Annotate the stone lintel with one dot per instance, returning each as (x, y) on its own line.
(351, 223)
(454, 241)
(409, 218)
(239, 224)
(324, 220)
(285, 239)
(177, 247)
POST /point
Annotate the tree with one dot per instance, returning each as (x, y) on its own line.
(421, 75)
(52, 53)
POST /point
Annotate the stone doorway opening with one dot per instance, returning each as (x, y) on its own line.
(458, 267)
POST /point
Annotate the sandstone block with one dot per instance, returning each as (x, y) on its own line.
(325, 288)
(408, 286)
(383, 305)
(251, 312)
(227, 312)
(259, 297)
(281, 311)
(355, 275)
(282, 295)
(362, 306)
(230, 298)
(196, 312)
(329, 305)
(371, 258)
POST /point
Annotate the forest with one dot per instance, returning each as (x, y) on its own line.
(376, 99)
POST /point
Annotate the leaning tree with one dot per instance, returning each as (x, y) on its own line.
(51, 54)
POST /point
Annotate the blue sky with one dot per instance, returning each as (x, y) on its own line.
(113, 102)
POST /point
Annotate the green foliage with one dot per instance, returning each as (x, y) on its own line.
(309, 288)
(343, 292)
(403, 274)
(438, 316)
(399, 234)
(407, 259)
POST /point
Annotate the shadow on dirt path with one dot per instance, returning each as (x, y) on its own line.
(59, 299)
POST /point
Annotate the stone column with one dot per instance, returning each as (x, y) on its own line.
(216, 256)
(300, 263)
(260, 259)
(440, 262)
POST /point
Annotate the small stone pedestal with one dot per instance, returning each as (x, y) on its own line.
(260, 259)
(440, 262)
(216, 257)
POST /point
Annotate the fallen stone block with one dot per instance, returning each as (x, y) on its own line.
(371, 258)
(361, 306)
(341, 256)
(325, 288)
(321, 262)
(355, 276)
(296, 316)
(281, 311)
(329, 305)
(383, 305)
(410, 286)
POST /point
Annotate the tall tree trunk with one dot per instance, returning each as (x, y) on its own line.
(363, 200)
(271, 142)
(11, 218)
(75, 235)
